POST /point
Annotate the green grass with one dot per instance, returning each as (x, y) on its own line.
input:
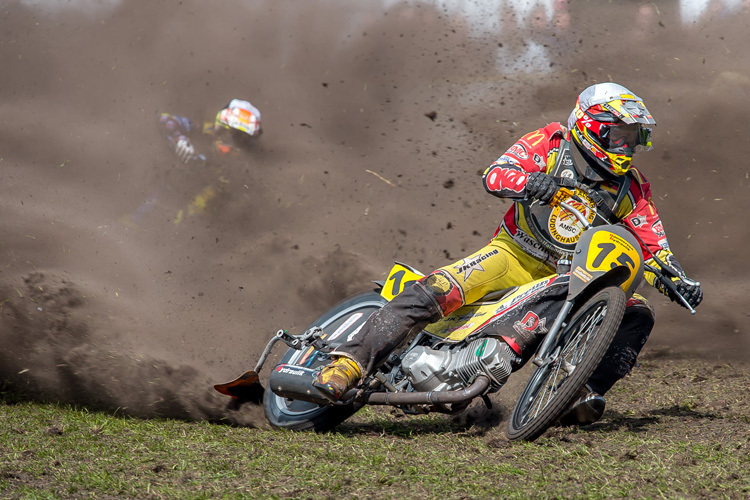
(673, 430)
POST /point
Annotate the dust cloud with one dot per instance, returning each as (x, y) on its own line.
(121, 289)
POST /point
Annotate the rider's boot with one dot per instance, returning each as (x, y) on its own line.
(337, 378)
(585, 410)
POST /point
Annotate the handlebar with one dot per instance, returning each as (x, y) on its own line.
(670, 286)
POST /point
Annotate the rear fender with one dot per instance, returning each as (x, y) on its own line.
(400, 277)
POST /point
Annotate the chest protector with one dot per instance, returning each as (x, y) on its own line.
(556, 229)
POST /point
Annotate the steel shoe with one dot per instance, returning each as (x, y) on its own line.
(338, 378)
(585, 410)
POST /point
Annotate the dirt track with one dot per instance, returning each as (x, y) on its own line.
(378, 122)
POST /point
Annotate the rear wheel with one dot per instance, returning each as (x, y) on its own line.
(337, 324)
(580, 346)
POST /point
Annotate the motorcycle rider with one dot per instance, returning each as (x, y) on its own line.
(233, 128)
(604, 130)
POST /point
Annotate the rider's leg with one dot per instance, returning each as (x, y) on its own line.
(414, 307)
(499, 265)
(617, 362)
(621, 356)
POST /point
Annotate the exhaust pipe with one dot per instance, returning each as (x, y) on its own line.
(477, 388)
(295, 382)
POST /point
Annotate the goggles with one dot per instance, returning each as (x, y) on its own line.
(625, 138)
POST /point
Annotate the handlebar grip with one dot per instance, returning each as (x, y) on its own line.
(673, 288)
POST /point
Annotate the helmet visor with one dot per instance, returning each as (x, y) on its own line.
(625, 138)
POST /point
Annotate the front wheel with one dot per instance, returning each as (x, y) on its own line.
(580, 346)
(337, 324)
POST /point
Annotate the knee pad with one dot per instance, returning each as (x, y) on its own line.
(444, 291)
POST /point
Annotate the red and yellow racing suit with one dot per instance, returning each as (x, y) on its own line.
(628, 197)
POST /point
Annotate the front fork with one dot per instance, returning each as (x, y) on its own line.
(543, 356)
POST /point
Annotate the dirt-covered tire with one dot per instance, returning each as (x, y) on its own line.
(583, 342)
(337, 323)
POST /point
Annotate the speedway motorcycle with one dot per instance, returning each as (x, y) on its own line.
(465, 355)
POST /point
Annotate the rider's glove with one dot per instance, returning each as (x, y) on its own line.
(184, 149)
(689, 289)
(540, 186)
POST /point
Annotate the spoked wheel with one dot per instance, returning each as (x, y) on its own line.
(577, 351)
(339, 322)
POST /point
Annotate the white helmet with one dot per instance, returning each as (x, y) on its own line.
(609, 123)
(239, 115)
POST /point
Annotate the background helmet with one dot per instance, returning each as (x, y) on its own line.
(609, 123)
(240, 117)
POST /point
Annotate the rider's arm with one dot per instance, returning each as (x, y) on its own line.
(507, 176)
(174, 127)
(504, 179)
(177, 130)
(645, 222)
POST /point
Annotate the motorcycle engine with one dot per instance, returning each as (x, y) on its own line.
(446, 370)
